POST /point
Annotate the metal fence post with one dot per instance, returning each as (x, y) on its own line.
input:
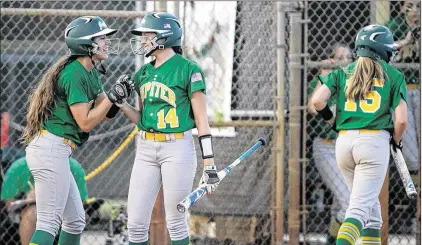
(279, 124)
(295, 68)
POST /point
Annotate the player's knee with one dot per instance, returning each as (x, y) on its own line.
(74, 225)
(138, 232)
(178, 228)
(358, 213)
(49, 222)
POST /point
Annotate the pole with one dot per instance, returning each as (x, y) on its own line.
(279, 128)
(294, 124)
(305, 162)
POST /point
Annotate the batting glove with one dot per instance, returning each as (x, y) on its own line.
(395, 145)
(210, 178)
(118, 93)
(127, 82)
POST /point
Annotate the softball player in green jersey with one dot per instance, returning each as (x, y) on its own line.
(171, 93)
(367, 92)
(59, 118)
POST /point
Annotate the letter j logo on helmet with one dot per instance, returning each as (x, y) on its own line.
(79, 34)
(167, 29)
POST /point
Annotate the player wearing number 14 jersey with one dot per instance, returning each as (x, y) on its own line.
(367, 93)
(166, 94)
(171, 93)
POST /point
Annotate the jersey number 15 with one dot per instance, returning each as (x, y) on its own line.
(364, 104)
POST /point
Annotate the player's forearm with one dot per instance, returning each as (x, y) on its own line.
(131, 113)
(199, 108)
(399, 128)
(320, 97)
(204, 129)
(402, 43)
(318, 103)
(203, 126)
(96, 115)
(311, 108)
(400, 120)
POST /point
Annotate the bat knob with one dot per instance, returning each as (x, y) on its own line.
(181, 208)
(263, 142)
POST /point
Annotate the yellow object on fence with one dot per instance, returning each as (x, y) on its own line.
(113, 156)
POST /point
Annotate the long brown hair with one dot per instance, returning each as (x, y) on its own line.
(41, 101)
(361, 80)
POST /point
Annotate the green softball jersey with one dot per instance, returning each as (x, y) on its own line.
(18, 179)
(75, 85)
(373, 112)
(319, 126)
(166, 92)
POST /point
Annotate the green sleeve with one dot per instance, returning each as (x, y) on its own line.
(399, 91)
(330, 80)
(15, 180)
(79, 175)
(196, 79)
(75, 90)
(137, 80)
(100, 84)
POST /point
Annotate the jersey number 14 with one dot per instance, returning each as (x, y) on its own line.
(364, 105)
(170, 118)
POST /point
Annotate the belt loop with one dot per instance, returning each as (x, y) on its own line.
(143, 136)
(172, 137)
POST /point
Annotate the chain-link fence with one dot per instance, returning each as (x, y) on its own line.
(259, 59)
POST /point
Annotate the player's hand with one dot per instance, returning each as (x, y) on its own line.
(210, 178)
(396, 145)
(121, 103)
(117, 93)
(127, 82)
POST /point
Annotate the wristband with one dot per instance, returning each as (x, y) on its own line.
(205, 141)
(113, 111)
(326, 113)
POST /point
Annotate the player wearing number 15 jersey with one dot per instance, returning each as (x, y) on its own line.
(367, 92)
(171, 93)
